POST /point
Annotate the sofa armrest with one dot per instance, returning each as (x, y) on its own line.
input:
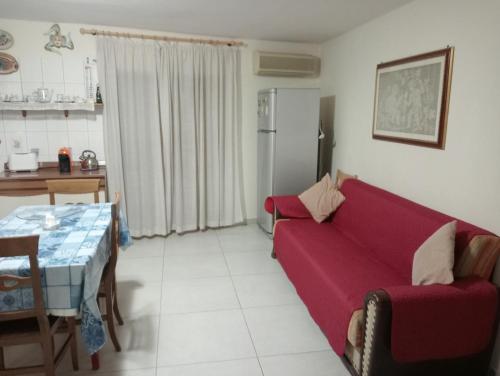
(286, 207)
(447, 329)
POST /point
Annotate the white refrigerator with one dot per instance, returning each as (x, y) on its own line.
(288, 136)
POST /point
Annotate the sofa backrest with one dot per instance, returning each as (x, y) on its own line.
(393, 227)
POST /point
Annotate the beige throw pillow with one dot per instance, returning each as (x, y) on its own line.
(322, 199)
(433, 260)
(342, 176)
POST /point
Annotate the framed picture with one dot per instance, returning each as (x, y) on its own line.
(8, 63)
(411, 99)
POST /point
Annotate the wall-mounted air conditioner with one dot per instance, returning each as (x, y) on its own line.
(284, 64)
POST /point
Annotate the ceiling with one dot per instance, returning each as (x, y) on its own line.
(280, 20)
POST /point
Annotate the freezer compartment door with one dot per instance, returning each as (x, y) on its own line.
(266, 105)
(265, 177)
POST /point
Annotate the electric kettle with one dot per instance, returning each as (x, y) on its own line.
(88, 161)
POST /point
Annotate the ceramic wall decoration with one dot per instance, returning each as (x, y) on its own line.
(8, 63)
(6, 40)
(57, 40)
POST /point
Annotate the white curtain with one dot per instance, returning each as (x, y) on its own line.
(172, 117)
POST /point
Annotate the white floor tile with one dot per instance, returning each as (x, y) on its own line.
(32, 355)
(265, 290)
(139, 270)
(240, 229)
(252, 263)
(284, 330)
(242, 367)
(145, 247)
(245, 242)
(180, 298)
(203, 337)
(196, 242)
(138, 339)
(195, 295)
(136, 299)
(195, 265)
(324, 363)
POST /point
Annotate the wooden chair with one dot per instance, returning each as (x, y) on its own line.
(107, 289)
(72, 186)
(32, 325)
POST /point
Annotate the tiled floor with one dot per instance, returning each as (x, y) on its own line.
(210, 303)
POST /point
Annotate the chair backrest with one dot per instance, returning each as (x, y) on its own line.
(72, 186)
(18, 247)
(115, 232)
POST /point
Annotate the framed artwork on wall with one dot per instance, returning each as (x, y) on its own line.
(411, 99)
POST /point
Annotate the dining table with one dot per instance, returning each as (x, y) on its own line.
(74, 247)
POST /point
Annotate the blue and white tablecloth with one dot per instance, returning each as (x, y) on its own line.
(71, 259)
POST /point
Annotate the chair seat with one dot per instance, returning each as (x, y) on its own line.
(21, 330)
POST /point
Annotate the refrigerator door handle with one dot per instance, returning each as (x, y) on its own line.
(266, 131)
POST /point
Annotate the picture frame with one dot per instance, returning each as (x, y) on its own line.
(412, 97)
(8, 64)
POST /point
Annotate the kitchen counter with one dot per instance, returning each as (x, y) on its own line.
(33, 183)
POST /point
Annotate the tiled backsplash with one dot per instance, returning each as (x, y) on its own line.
(64, 74)
(50, 130)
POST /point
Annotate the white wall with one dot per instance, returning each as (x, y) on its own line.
(464, 179)
(64, 74)
(48, 132)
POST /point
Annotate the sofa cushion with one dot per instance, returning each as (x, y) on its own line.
(331, 272)
(433, 260)
(392, 227)
(322, 199)
(479, 257)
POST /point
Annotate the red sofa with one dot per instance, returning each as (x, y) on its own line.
(354, 272)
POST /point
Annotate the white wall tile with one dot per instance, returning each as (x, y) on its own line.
(30, 66)
(74, 90)
(12, 77)
(52, 68)
(11, 88)
(56, 88)
(77, 121)
(57, 140)
(16, 142)
(36, 122)
(94, 122)
(3, 146)
(96, 143)
(30, 86)
(73, 69)
(56, 121)
(79, 141)
(13, 121)
(37, 140)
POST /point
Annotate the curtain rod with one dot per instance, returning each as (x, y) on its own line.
(95, 32)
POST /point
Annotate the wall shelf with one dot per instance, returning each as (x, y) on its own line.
(66, 107)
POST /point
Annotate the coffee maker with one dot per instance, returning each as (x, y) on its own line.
(64, 158)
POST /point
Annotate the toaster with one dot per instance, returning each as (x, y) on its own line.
(23, 162)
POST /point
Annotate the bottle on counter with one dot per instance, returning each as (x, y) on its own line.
(98, 97)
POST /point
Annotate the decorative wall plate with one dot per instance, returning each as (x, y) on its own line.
(6, 40)
(8, 63)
